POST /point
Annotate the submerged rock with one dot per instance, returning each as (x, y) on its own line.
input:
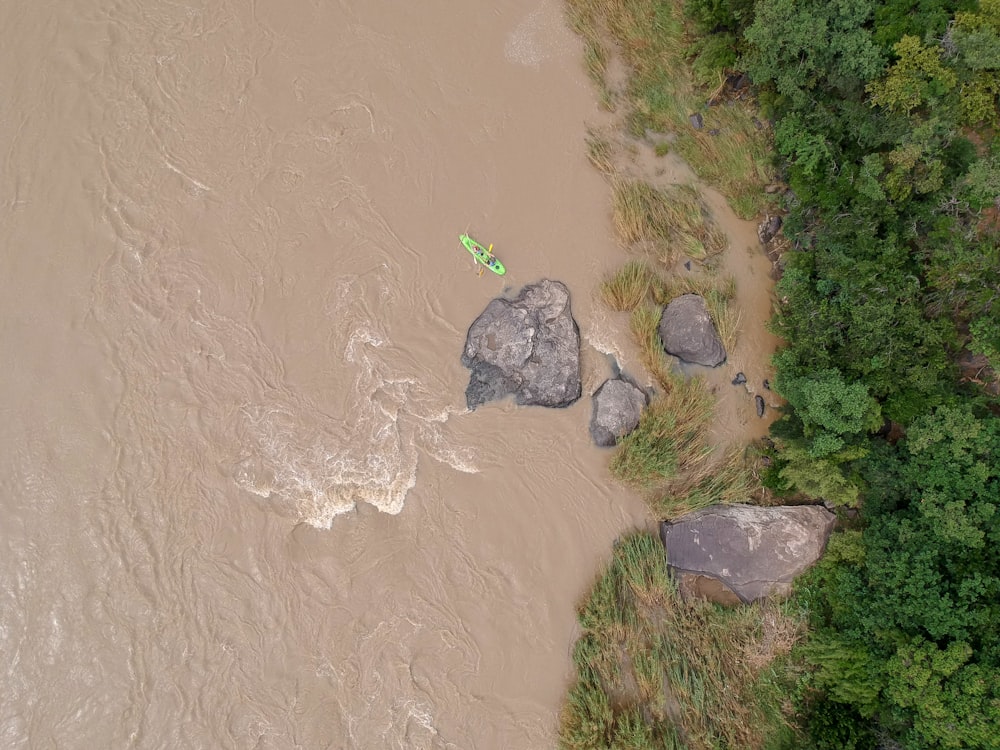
(688, 333)
(618, 405)
(759, 403)
(754, 552)
(740, 379)
(528, 347)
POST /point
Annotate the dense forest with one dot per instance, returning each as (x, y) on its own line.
(884, 115)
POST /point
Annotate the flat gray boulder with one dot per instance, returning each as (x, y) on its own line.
(755, 552)
(688, 333)
(618, 405)
(528, 347)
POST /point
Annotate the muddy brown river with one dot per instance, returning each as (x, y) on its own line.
(242, 503)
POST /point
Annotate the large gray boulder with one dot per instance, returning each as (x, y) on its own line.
(688, 333)
(618, 405)
(528, 347)
(754, 552)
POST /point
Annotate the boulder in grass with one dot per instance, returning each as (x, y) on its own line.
(688, 333)
(528, 347)
(752, 552)
(618, 405)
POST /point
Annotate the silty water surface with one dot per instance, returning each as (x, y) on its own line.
(242, 504)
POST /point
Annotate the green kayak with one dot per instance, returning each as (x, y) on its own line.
(482, 255)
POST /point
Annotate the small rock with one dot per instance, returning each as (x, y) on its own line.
(767, 384)
(687, 265)
(697, 122)
(773, 188)
(740, 379)
(759, 401)
(714, 131)
(738, 81)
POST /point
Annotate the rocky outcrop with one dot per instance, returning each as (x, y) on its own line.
(688, 333)
(618, 405)
(755, 552)
(528, 347)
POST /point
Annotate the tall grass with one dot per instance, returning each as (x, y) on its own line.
(628, 286)
(654, 671)
(599, 151)
(662, 93)
(645, 323)
(671, 221)
(669, 457)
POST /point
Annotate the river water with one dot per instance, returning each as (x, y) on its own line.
(242, 504)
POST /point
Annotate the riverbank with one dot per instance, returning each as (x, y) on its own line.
(688, 185)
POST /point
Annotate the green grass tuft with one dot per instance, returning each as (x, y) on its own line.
(628, 286)
(645, 324)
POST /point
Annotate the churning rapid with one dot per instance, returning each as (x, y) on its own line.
(243, 504)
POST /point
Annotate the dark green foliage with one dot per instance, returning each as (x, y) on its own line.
(804, 49)
(985, 334)
(867, 319)
(922, 18)
(895, 269)
(712, 54)
(714, 16)
(908, 612)
(981, 186)
(829, 407)
(714, 49)
(836, 726)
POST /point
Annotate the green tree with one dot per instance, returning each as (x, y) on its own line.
(918, 77)
(804, 46)
(895, 19)
(915, 613)
(832, 411)
(820, 478)
(947, 701)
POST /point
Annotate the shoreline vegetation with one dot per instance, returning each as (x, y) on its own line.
(871, 128)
